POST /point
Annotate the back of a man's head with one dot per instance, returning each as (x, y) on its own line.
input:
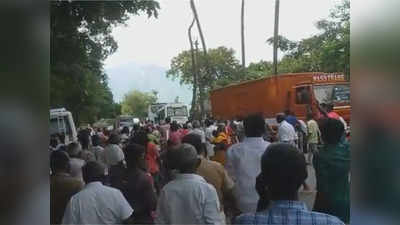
(280, 117)
(194, 140)
(135, 155)
(59, 162)
(74, 149)
(196, 124)
(93, 171)
(254, 125)
(332, 130)
(284, 169)
(184, 158)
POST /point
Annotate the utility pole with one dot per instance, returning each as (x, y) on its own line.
(276, 33)
(242, 35)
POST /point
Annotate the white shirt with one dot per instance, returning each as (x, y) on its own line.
(209, 136)
(286, 133)
(199, 132)
(243, 165)
(113, 154)
(76, 167)
(188, 199)
(97, 204)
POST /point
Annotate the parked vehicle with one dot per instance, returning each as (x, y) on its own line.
(62, 122)
(300, 93)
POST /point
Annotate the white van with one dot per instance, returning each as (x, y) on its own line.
(61, 121)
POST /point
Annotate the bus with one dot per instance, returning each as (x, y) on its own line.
(175, 111)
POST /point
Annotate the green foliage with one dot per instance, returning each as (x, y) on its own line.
(136, 103)
(328, 51)
(225, 68)
(80, 41)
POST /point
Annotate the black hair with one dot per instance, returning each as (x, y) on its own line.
(168, 120)
(125, 130)
(140, 138)
(134, 153)
(195, 140)
(174, 126)
(53, 141)
(332, 130)
(280, 117)
(72, 150)
(220, 128)
(61, 136)
(93, 171)
(59, 161)
(214, 133)
(95, 140)
(283, 171)
(254, 125)
(287, 112)
(114, 139)
(209, 122)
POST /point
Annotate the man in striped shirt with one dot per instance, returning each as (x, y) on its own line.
(283, 171)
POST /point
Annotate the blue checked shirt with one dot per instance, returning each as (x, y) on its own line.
(288, 213)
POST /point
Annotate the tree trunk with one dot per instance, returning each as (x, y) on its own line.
(203, 43)
(193, 110)
(242, 33)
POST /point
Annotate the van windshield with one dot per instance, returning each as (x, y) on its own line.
(333, 93)
(60, 125)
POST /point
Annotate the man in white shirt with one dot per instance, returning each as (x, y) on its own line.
(210, 127)
(96, 203)
(188, 199)
(243, 163)
(286, 132)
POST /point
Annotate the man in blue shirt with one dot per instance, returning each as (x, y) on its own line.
(283, 171)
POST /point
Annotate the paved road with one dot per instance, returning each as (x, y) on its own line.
(309, 197)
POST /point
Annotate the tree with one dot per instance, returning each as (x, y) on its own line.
(328, 51)
(136, 103)
(227, 68)
(80, 42)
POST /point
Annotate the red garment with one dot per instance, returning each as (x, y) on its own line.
(151, 158)
(184, 132)
(333, 115)
(175, 137)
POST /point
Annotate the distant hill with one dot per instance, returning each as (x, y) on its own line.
(127, 77)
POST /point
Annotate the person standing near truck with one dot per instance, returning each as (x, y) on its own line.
(313, 136)
(286, 132)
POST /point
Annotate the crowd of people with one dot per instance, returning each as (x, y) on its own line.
(203, 172)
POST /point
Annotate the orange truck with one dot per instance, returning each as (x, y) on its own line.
(299, 92)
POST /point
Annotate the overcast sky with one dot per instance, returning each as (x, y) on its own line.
(157, 41)
(153, 41)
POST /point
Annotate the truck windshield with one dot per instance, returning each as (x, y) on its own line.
(177, 111)
(337, 93)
